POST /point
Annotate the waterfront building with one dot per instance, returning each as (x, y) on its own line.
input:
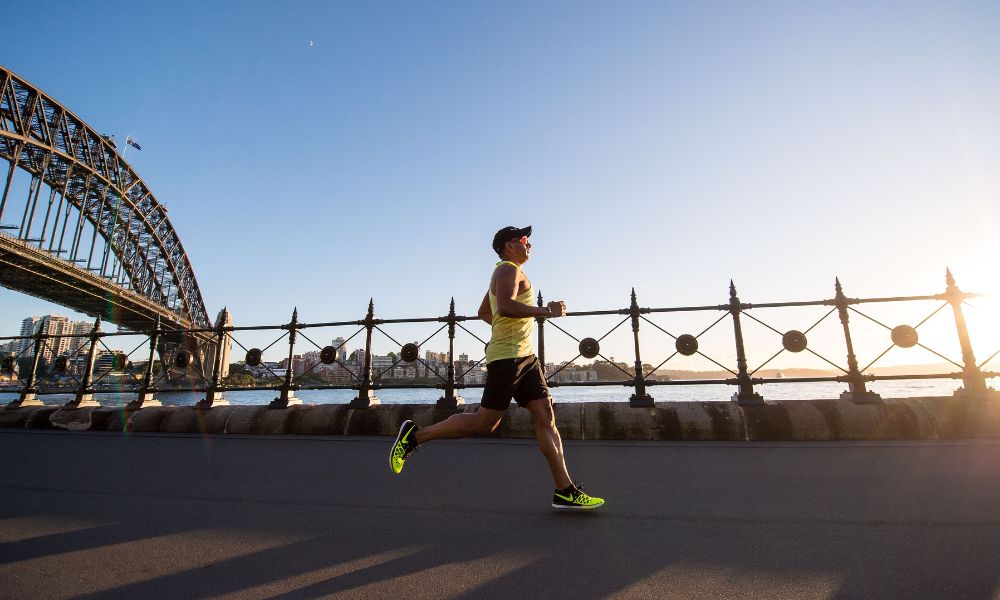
(339, 375)
(109, 361)
(341, 345)
(569, 375)
(75, 344)
(380, 363)
(469, 375)
(52, 325)
(29, 327)
(436, 357)
(299, 364)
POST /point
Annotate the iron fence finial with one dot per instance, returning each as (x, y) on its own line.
(640, 398)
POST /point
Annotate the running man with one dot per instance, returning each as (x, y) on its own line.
(512, 371)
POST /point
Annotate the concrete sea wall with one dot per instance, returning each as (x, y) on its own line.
(799, 420)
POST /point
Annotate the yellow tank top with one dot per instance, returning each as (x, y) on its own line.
(511, 336)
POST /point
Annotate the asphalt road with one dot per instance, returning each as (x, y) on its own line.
(89, 515)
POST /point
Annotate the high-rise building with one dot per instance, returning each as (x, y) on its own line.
(49, 325)
(59, 328)
(29, 327)
(77, 328)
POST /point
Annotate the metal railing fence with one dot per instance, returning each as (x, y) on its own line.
(177, 372)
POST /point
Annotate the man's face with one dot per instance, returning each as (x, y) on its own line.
(520, 248)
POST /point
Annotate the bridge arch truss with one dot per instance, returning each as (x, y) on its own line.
(86, 206)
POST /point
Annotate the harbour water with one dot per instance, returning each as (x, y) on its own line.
(687, 393)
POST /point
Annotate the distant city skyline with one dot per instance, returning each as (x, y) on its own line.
(63, 334)
(319, 157)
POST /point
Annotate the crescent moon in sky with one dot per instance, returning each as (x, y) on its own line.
(310, 43)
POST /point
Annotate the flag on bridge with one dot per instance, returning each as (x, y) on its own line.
(132, 143)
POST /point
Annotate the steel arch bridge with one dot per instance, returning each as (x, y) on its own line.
(88, 234)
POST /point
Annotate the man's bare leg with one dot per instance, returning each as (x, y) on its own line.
(461, 425)
(549, 440)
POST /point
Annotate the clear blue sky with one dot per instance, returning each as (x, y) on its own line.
(316, 154)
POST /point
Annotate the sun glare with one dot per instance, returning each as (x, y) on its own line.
(983, 313)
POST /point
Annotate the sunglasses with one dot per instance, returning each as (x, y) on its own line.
(523, 239)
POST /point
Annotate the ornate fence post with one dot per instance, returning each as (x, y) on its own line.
(287, 394)
(365, 397)
(29, 395)
(85, 395)
(450, 400)
(745, 394)
(973, 382)
(856, 390)
(640, 399)
(213, 395)
(146, 396)
(541, 336)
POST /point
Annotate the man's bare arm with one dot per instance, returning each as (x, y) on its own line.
(485, 312)
(506, 281)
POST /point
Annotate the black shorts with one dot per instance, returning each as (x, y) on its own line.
(518, 378)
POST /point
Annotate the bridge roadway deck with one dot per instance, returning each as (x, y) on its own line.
(90, 515)
(29, 269)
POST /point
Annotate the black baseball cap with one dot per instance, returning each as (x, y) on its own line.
(508, 233)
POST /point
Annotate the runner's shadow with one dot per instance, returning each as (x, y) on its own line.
(89, 538)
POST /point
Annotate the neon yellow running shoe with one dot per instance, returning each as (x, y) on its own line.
(573, 498)
(404, 446)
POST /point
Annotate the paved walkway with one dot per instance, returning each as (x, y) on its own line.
(88, 515)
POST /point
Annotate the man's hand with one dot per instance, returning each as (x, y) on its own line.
(557, 309)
